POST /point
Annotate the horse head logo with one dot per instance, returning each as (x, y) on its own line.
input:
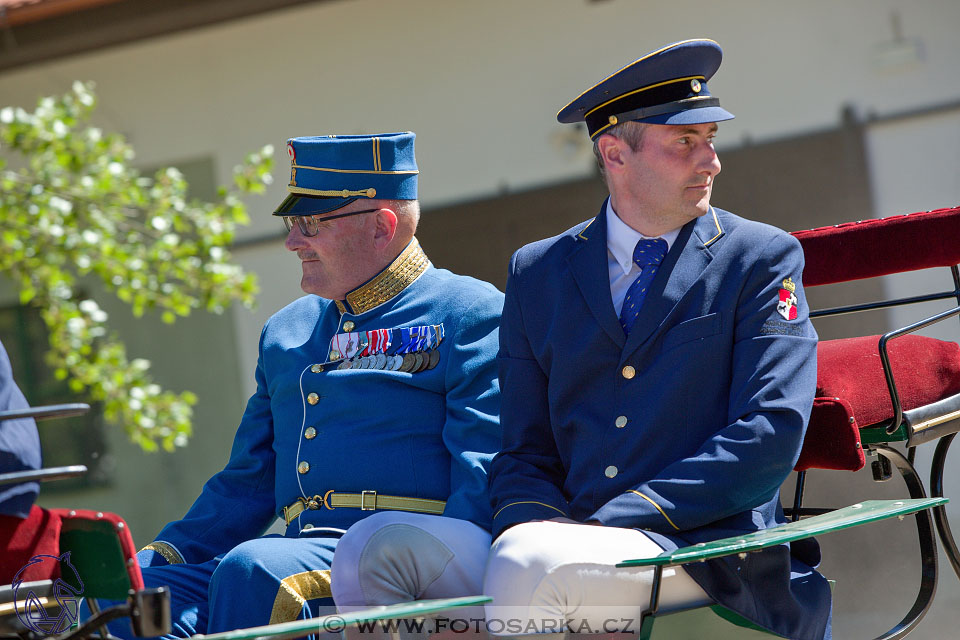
(48, 615)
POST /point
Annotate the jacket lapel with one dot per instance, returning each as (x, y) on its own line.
(682, 267)
(588, 263)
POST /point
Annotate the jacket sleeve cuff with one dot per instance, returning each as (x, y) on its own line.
(521, 511)
(159, 553)
(635, 509)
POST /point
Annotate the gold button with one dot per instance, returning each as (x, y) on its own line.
(303, 467)
(313, 398)
(334, 355)
(621, 422)
(317, 368)
(628, 372)
(610, 472)
(307, 527)
(348, 325)
(310, 433)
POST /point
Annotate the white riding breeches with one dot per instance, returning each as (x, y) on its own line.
(554, 576)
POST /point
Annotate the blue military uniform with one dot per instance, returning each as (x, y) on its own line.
(19, 446)
(687, 427)
(387, 399)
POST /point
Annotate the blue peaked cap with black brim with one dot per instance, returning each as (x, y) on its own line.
(667, 86)
(330, 172)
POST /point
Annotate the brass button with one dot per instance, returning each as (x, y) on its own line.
(307, 527)
(621, 422)
(317, 368)
(628, 372)
(310, 433)
(610, 472)
(313, 398)
(348, 325)
(334, 355)
(303, 467)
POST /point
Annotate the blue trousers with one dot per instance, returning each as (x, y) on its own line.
(266, 580)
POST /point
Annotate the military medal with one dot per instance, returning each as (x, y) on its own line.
(434, 359)
(425, 362)
(381, 361)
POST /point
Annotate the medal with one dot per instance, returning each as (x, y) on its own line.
(434, 359)
(424, 362)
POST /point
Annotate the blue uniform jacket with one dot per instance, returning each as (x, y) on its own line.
(19, 446)
(685, 429)
(428, 435)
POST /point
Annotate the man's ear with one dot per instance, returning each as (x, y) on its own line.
(611, 150)
(385, 227)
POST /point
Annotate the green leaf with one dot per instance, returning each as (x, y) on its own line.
(77, 207)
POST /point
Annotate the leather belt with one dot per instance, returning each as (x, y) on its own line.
(365, 501)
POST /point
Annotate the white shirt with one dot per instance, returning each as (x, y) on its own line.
(622, 239)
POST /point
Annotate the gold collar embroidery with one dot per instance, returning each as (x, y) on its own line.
(402, 272)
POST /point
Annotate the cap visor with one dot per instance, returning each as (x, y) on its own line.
(297, 205)
(691, 116)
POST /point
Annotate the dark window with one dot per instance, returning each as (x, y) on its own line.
(78, 440)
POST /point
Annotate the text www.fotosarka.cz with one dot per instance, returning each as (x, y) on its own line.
(499, 626)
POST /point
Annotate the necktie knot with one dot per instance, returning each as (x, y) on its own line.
(649, 251)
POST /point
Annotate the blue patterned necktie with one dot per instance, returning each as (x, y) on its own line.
(647, 255)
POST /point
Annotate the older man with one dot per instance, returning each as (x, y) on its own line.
(658, 370)
(376, 398)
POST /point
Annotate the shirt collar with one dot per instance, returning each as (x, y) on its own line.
(622, 239)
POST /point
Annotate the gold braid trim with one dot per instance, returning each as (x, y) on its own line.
(166, 550)
(409, 265)
(296, 590)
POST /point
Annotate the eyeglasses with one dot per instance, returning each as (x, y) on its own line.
(310, 225)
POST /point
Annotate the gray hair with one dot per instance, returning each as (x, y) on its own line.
(629, 132)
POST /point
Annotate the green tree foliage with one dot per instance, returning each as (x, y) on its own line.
(72, 209)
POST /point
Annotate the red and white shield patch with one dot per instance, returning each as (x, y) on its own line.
(787, 306)
(291, 152)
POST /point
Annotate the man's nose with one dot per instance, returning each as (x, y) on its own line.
(709, 162)
(294, 239)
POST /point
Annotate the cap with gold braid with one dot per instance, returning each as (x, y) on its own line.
(329, 172)
(667, 86)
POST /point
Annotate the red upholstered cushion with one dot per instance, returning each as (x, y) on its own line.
(851, 384)
(833, 439)
(871, 248)
(21, 539)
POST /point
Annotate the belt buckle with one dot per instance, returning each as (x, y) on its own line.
(364, 495)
